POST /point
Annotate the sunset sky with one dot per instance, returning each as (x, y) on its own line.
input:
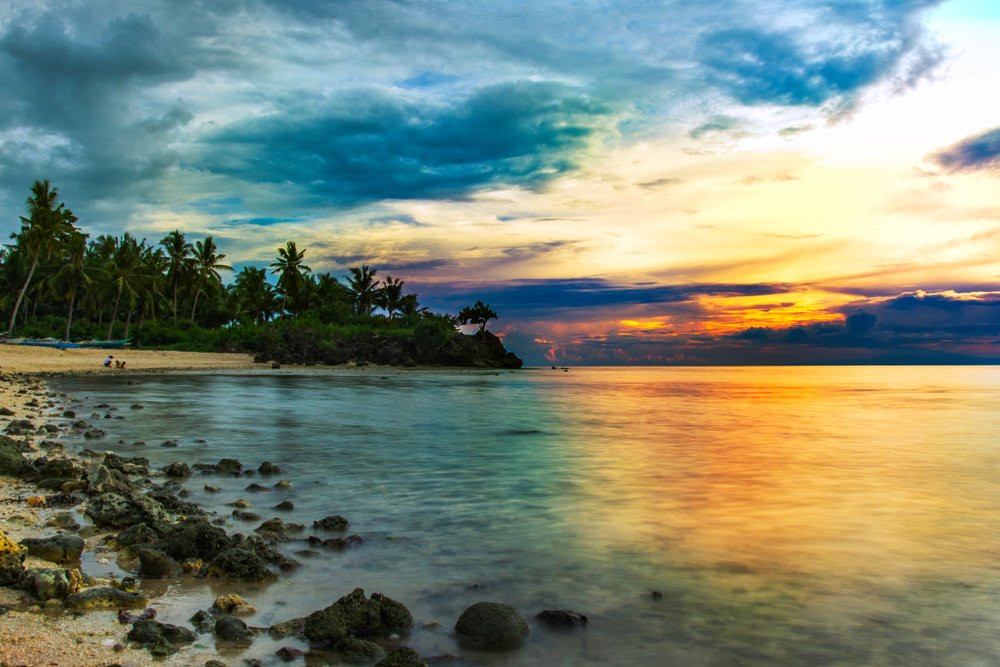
(743, 181)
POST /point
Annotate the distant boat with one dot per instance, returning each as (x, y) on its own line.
(50, 342)
(106, 344)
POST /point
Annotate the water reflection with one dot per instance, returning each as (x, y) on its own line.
(784, 516)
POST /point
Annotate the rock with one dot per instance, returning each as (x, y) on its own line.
(20, 427)
(287, 628)
(268, 468)
(106, 598)
(214, 663)
(194, 538)
(283, 484)
(239, 564)
(160, 639)
(491, 626)
(244, 515)
(355, 651)
(202, 621)
(212, 489)
(561, 618)
(241, 503)
(228, 467)
(12, 461)
(257, 488)
(276, 529)
(402, 657)
(94, 434)
(64, 521)
(341, 543)
(177, 469)
(56, 548)
(138, 534)
(62, 469)
(232, 629)
(233, 605)
(50, 584)
(137, 465)
(169, 444)
(154, 564)
(114, 510)
(6, 412)
(378, 616)
(289, 653)
(101, 479)
(332, 522)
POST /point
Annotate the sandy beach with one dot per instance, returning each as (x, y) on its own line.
(45, 360)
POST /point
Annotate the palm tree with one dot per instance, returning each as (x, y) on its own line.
(179, 261)
(207, 264)
(73, 275)
(254, 294)
(125, 270)
(43, 232)
(390, 296)
(362, 284)
(291, 273)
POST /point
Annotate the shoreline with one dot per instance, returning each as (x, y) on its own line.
(51, 632)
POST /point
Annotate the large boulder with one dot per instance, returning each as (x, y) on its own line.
(114, 510)
(11, 561)
(48, 584)
(154, 564)
(355, 615)
(194, 538)
(239, 564)
(137, 465)
(491, 626)
(63, 469)
(101, 479)
(60, 548)
(12, 461)
(232, 629)
(160, 639)
(106, 597)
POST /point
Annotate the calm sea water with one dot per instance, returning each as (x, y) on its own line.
(787, 516)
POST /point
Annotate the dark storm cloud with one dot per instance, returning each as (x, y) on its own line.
(978, 152)
(370, 145)
(296, 105)
(527, 298)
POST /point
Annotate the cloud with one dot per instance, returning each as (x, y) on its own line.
(980, 152)
(370, 144)
(716, 125)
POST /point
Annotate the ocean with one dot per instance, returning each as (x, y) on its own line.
(696, 516)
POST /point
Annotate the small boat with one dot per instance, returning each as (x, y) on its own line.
(50, 342)
(9, 340)
(106, 344)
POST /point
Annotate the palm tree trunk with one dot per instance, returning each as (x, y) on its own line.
(175, 301)
(69, 317)
(114, 313)
(20, 296)
(128, 323)
(194, 306)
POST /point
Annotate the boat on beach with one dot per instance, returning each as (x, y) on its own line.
(106, 344)
(49, 342)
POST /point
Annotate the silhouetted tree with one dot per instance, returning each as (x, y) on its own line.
(479, 313)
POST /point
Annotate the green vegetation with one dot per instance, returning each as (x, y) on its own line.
(56, 282)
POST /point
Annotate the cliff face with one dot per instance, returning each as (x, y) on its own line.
(482, 350)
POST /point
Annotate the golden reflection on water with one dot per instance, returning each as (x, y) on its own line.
(863, 476)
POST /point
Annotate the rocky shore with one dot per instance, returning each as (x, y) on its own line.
(61, 509)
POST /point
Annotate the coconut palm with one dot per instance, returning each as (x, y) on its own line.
(390, 295)
(125, 272)
(254, 295)
(207, 264)
(179, 262)
(362, 284)
(43, 232)
(72, 276)
(291, 272)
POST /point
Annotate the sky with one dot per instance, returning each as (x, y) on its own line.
(629, 182)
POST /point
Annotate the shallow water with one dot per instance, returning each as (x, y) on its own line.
(793, 516)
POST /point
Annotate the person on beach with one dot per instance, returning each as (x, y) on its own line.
(118, 364)
(123, 365)
(107, 362)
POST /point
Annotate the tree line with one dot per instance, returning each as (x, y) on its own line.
(53, 275)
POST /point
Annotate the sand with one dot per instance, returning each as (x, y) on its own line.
(31, 634)
(46, 360)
